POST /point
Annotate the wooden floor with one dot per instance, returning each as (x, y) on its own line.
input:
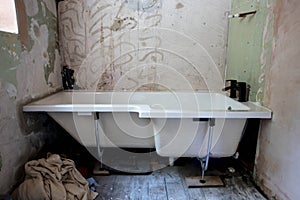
(169, 183)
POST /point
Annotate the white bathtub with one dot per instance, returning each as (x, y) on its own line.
(175, 124)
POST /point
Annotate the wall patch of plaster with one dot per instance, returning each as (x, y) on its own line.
(33, 62)
(43, 9)
(34, 30)
(11, 90)
(51, 5)
(32, 7)
(267, 48)
(179, 5)
(55, 77)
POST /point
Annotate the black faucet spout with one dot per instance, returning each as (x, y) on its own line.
(227, 88)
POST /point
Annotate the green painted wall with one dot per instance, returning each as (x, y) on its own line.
(250, 45)
(10, 50)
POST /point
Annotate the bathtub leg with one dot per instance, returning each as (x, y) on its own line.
(203, 164)
(97, 135)
(99, 170)
(171, 161)
(204, 161)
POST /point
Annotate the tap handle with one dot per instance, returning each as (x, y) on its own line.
(232, 86)
(232, 81)
(243, 89)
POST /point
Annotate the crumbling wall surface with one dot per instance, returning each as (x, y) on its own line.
(145, 45)
(28, 70)
(278, 161)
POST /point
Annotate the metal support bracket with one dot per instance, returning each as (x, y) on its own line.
(204, 161)
(97, 135)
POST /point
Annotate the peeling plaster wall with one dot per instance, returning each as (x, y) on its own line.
(145, 45)
(278, 160)
(26, 73)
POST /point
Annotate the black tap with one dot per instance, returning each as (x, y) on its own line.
(243, 90)
(68, 78)
(233, 86)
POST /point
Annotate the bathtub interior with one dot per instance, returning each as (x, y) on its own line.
(182, 101)
(179, 101)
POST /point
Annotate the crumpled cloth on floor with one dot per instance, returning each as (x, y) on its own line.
(53, 178)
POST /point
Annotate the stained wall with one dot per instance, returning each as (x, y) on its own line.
(145, 45)
(264, 51)
(30, 68)
(278, 158)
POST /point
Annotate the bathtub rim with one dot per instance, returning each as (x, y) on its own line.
(144, 110)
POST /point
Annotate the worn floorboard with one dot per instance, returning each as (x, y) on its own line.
(175, 190)
(106, 187)
(169, 184)
(141, 188)
(157, 188)
(195, 194)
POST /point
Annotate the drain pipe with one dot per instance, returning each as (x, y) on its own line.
(204, 161)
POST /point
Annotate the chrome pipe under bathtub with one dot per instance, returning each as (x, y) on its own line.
(204, 161)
